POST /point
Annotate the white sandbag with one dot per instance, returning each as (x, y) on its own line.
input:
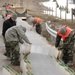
(23, 65)
(5, 72)
(52, 51)
(25, 48)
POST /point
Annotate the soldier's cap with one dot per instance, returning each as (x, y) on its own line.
(14, 16)
(63, 30)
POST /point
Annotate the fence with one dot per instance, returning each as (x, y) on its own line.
(61, 12)
(53, 33)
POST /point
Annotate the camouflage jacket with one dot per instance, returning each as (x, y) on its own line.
(69, 43)
(16, 33)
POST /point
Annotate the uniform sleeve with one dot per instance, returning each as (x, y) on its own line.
(5, 27)
(69, 39)
(20, 40)
(22, 35)
(26, 39)
(58, 38)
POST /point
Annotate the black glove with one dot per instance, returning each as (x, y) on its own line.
(60, 48)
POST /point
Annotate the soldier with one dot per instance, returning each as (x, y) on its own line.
(13, 37)
(37, 23)
(68, 36)
(6, 25)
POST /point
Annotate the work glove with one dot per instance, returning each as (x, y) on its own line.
(59, 55)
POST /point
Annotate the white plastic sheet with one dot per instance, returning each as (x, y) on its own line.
(42, 55)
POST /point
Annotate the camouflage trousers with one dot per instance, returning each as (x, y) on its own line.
(68, 52)
(67, 56)
(13, 51)
(38, 29)
(68, 48)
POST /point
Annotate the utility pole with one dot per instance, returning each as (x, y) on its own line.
(67, 6)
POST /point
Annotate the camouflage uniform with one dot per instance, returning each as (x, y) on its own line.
(13, 51)
(67, 48)
(38, 28)
(13, 37)
(38, 23)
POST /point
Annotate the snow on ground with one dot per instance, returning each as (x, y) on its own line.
(52, 4)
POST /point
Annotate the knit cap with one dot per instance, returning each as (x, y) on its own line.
(14, 16)
(63, 30)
